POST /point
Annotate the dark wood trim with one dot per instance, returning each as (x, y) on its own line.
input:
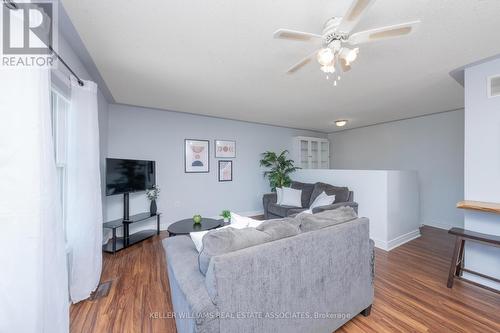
(454, 259)
(476, 236)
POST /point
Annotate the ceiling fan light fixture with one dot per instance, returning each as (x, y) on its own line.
(340, 123)
(349, 55)
(329, 69)
(325, 56)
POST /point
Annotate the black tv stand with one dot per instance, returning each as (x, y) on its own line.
(126, 205)
(119, 243)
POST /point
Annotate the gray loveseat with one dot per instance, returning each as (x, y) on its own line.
(343, 197)
(313, 281)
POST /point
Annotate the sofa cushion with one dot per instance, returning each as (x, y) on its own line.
(282, 228)
(310, 222)
(227, 240)
(307, 190)
(341, 193)
(283, 211)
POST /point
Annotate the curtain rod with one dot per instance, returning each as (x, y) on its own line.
(9, 4)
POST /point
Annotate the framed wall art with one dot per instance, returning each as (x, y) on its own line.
(196, 156)
(225, 171)
(225, 149)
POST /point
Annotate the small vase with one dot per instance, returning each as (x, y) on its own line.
(153, 208)
(226, 220)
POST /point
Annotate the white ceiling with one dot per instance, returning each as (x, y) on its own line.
(218, 58)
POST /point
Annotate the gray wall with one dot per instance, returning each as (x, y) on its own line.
(142, 133)
(482, 168)
(432, 145)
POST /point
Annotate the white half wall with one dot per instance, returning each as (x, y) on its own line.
(431, 145)
(389, 198)
(482, 168)
(151, 134)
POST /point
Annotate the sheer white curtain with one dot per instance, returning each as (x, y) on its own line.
(33, 274)
(84, 205)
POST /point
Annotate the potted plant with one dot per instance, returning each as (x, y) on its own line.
(226, 215)
(153, 194)
(280, 168)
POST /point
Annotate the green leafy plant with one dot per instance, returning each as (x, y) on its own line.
(226, 214)
(280, 168)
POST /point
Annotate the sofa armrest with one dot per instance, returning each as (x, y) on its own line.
(320, 209)
(266, 200)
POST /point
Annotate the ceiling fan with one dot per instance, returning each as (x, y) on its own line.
(339, 46)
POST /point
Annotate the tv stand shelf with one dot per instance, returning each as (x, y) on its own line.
(119, 243)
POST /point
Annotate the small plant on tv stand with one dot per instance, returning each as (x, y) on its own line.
(153, 195)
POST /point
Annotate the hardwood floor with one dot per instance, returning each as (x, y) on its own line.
(410, 293)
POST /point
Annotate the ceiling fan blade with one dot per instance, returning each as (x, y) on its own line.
(343, 64)
(301, 63)
(377, 34)
(354, 14)
(295, 35)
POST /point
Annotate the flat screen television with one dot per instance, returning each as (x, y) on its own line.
(127, 176)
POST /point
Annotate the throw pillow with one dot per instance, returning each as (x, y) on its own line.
(244, 221)
(322, 200)
(197, 238)
(282, 228)
(325, 219)
(291, 197)
(227, 240)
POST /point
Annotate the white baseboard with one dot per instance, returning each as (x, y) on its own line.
(398, 241)
(380, 244)
(443, 226)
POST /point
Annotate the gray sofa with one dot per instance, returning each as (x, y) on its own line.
(313, 281)
(343, 197)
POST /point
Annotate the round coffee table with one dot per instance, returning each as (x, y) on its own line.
(184, 227)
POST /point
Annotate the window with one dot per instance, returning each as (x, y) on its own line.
(60, 106)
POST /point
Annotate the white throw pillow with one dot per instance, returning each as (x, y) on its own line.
(197, 238)
(322, 200)
(246, 222)
(279, 195)
(291, 197)
(254, 223)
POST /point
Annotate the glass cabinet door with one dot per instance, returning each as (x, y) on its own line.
(314, 154)
(325, 156)
(304, 154)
